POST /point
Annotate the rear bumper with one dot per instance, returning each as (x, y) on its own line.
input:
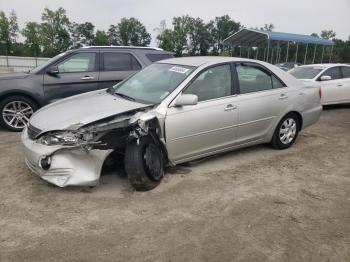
(311, 116)
(69, 166)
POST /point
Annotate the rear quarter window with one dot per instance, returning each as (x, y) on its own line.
(346, 71)
(114, 61)
(157, 57)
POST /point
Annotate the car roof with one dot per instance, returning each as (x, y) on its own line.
(136, 48)
(327, 65)
(203, 60)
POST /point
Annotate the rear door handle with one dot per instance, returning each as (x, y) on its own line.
(339, 85)
(230, 107)
(87, 78)
(283, 96)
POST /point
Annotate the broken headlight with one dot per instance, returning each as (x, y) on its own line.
(64, 138)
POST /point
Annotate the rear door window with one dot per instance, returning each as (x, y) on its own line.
(346, 71)
(254, 79)
(113, 61)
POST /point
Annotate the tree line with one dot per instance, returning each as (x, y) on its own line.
(186, 35)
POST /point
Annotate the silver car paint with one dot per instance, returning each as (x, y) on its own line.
(189, 134)
(92, 106)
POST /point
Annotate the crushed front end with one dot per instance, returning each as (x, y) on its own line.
(75, 156)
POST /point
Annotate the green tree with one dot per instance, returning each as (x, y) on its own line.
(267, 27)
(74, 35)
(82, 34)
(8, 31)
(32, 33)
(180, 34)
(101, 38)
(199, 36)
(165, 37)
(341, 52)
(328, 34)
(132, 32)
(112, 34)
(166, 41)
(221, 28)
(54, 31)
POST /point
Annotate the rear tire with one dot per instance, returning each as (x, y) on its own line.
(144, 164)
(286, 132)
(15, 112)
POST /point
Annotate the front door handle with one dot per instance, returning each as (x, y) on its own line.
(230, 107)
(283, 96)
(87, 78)
(339, 85)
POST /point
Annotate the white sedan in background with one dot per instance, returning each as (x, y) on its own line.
(333, 78)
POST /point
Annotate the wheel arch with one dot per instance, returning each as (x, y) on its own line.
(21, 93)
(300, 118)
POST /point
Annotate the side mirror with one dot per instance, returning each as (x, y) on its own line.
(326, 78)
(52, 70)
(186, 100)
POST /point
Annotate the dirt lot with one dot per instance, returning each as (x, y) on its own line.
(256, 204)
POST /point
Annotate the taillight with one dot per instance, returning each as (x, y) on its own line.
(320, 92)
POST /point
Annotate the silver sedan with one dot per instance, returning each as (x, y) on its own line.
(171, 112)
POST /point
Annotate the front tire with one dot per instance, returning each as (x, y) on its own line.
(16, 111)
(144, 164)
(286, 132)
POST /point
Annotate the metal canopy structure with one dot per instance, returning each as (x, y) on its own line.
(275, 40)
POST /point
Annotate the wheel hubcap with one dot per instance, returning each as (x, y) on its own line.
(16, 114)
(288, 131)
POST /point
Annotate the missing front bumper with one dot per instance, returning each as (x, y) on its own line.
(76, 167)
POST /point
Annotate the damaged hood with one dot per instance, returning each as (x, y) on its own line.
(77, 111)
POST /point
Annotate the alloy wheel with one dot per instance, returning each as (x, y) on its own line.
(16, 114)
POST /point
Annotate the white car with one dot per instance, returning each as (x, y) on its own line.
(334, 80)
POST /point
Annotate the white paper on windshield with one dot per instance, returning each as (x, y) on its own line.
(179, 69)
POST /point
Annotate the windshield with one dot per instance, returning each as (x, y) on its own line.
(307, 72)
(52, 59)
(154, 83)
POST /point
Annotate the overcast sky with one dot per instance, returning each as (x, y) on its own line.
(292, 16)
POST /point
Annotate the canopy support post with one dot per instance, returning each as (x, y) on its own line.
(248, 51)
(277, 53)
(313, 59)
(322, 55)
(240, 51)
(256, 54)
(271, 54)
(268, 50)
(330, 55)
(307, 45)
(264, 58)
(287, 52)
(296, 54)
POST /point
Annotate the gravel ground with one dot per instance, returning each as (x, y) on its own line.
(255, 204)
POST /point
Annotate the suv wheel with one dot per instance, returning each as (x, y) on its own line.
(16, 112)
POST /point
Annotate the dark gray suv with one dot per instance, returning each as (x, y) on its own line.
(67, 74)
